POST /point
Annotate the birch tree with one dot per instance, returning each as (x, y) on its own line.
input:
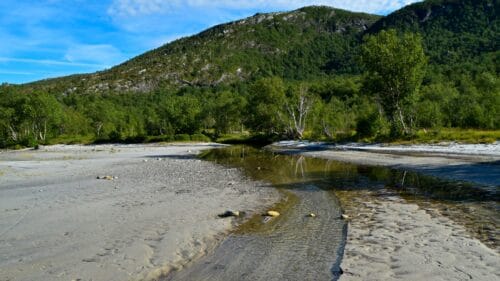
(396, 67)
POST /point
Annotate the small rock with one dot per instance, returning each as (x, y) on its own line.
(312, 215)
(229, 214)
(272, 213)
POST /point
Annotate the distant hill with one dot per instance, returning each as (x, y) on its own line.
(311, 42)
(304, 43)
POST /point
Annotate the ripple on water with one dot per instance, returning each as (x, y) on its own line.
(298, 247)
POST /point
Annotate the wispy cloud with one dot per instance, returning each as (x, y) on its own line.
(49, 62)
(10, 72)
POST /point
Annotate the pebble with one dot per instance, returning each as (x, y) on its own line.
(272, 213)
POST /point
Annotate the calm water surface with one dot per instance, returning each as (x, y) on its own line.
(296, 247)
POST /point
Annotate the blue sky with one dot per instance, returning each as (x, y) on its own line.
(50, 38)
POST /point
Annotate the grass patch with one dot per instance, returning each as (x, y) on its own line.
(70, 139)
(245, 138)
(452, 134)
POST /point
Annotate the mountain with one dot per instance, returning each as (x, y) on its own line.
(309, 42)
(453, 30)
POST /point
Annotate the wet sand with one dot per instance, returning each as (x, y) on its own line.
(292, 246)
(390, 238)
(59, 222)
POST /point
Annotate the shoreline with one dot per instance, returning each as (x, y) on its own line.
(391, 238)
(469, 163)
(156, 214)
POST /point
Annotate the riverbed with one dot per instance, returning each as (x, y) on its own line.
(401, 225)
(115, 212)
(149, 212)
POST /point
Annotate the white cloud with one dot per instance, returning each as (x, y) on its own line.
(147, 7)
(10, 72)
(49, 62)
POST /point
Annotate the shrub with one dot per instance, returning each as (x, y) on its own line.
(182, 137)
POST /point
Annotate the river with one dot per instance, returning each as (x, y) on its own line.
(295, 246)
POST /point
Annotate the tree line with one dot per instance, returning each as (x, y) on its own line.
(398, 93)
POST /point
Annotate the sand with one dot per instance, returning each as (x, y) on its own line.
(392, 239)
(159, 212)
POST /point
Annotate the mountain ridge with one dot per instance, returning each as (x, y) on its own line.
(307, 43)
(228, 52)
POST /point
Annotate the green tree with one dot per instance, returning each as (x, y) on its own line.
(227, 111)
(396, 66)
(265, 107)
(183, 113)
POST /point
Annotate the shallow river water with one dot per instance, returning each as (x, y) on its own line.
(295, 246)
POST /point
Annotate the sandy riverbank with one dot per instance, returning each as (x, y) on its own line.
(473, 163)
(390, 238)
(59, 222)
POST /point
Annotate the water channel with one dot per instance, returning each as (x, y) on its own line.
(295, 246)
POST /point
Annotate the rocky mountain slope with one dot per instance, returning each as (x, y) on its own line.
(311, 42)
(304, 43)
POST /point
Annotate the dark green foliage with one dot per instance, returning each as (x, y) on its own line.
(182, 137)
(454, 31)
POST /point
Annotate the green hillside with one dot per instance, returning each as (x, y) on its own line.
(309, 42)
(454, 31)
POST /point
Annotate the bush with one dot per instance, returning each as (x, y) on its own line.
(161, 138)
(182, 137)
(373, 125)
(135, 139)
